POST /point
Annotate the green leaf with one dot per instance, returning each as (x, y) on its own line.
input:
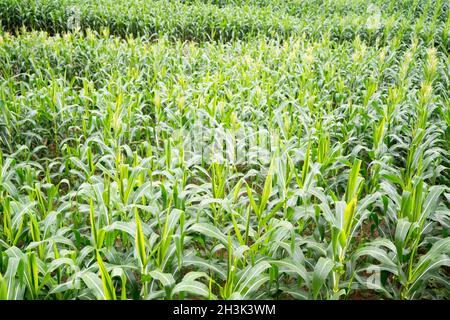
(166, 279)
(3, 288)
(209, 231)
(250, 274)
(267, 189)
(352, 184)
(252, 200)
(94, 283)
(108, 287)
(139, 241)
(321, 271)
(194, 288)
(32, 274)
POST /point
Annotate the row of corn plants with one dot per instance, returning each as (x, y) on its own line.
(381, 21)
(293, 168)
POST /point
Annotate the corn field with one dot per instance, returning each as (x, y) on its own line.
(224, 149)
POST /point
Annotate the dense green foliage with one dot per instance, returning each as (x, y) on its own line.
(203, 20)
(336, 184)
